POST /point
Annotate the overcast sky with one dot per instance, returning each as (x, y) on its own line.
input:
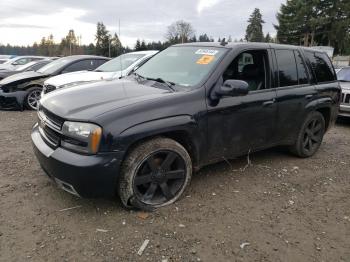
(22, 22)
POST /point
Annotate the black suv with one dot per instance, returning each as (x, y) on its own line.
(188, 106)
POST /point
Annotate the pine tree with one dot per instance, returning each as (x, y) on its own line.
(316, 22)
(116, 46)
(102, 40)
(143, 45)
(203, 38)
(223, 42)
(254, 32)
(268, 38)
(138, 45)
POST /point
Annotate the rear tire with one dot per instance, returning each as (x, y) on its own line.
(154, 174)
(310, 136)
(32, 98)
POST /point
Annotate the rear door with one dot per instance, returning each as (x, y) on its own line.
(327, 86)
(295, 92)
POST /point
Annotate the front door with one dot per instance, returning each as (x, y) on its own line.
(237, 125)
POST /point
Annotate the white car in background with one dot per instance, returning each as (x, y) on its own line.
(114, 69)
(18, 61)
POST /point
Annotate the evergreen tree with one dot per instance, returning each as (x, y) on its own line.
(193, 39)
(203, 38)
(254, 32)
(138, 45)
(223, 42)
(116, 46)
(143, 45)
(102, 40)
(316, 22)
(268, 38)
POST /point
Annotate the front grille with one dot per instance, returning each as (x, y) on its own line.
(48, 88)
(50, 136)
(53, 120)
(50, 126)
(345, 98)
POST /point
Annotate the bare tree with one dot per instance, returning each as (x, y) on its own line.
(179, 31)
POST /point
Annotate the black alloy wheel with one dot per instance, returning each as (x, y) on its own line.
(313, 135)
(160, 177)
(310, 135)
(154, 174)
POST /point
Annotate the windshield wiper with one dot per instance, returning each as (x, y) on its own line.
(139, 76)
(161, 80)
(343, 80)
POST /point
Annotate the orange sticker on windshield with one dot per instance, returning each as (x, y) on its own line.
(205, 59)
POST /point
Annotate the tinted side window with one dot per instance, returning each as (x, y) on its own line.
(287, 69)
(96, 63)
(80, 65)
(321, 66)
(251, 67)
(38, 66)
(302, 72)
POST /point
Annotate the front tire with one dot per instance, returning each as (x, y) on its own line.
(310, 136)
(32, 98)
(154, 174)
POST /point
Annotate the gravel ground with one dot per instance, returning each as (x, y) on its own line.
(279, 208)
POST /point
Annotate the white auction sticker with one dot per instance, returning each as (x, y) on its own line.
(206, 52)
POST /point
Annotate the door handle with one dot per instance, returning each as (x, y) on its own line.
(268, 103)
(309, 97)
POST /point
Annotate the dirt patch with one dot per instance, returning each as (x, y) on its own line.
(280, 208)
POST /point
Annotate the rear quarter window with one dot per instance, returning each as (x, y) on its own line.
(287, 68)
(322, 66)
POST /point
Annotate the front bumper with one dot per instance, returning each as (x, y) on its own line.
(344, 110)
(13, 100)
(83, 175)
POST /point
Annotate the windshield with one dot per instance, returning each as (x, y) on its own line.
(54, 66)
(24, 67)
(119, 63)
(182, 65)
(10, 61)
(344, 74)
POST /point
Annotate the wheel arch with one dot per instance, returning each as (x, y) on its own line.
(182, 129)
(326, 113)
(30, 85)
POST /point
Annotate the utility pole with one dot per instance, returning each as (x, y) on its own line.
(109, 47)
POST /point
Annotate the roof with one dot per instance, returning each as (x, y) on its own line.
(148, 52)
(81, 57)
(233, 45)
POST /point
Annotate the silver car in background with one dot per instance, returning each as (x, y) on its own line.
(344, 79)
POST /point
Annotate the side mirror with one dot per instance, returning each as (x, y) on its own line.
(232, 88)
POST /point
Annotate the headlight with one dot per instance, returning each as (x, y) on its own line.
(81, 137)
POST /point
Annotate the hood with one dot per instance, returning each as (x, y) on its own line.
(21, 78)
(345, 85)
(6, 67)
(76, 77)
(86, 102)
